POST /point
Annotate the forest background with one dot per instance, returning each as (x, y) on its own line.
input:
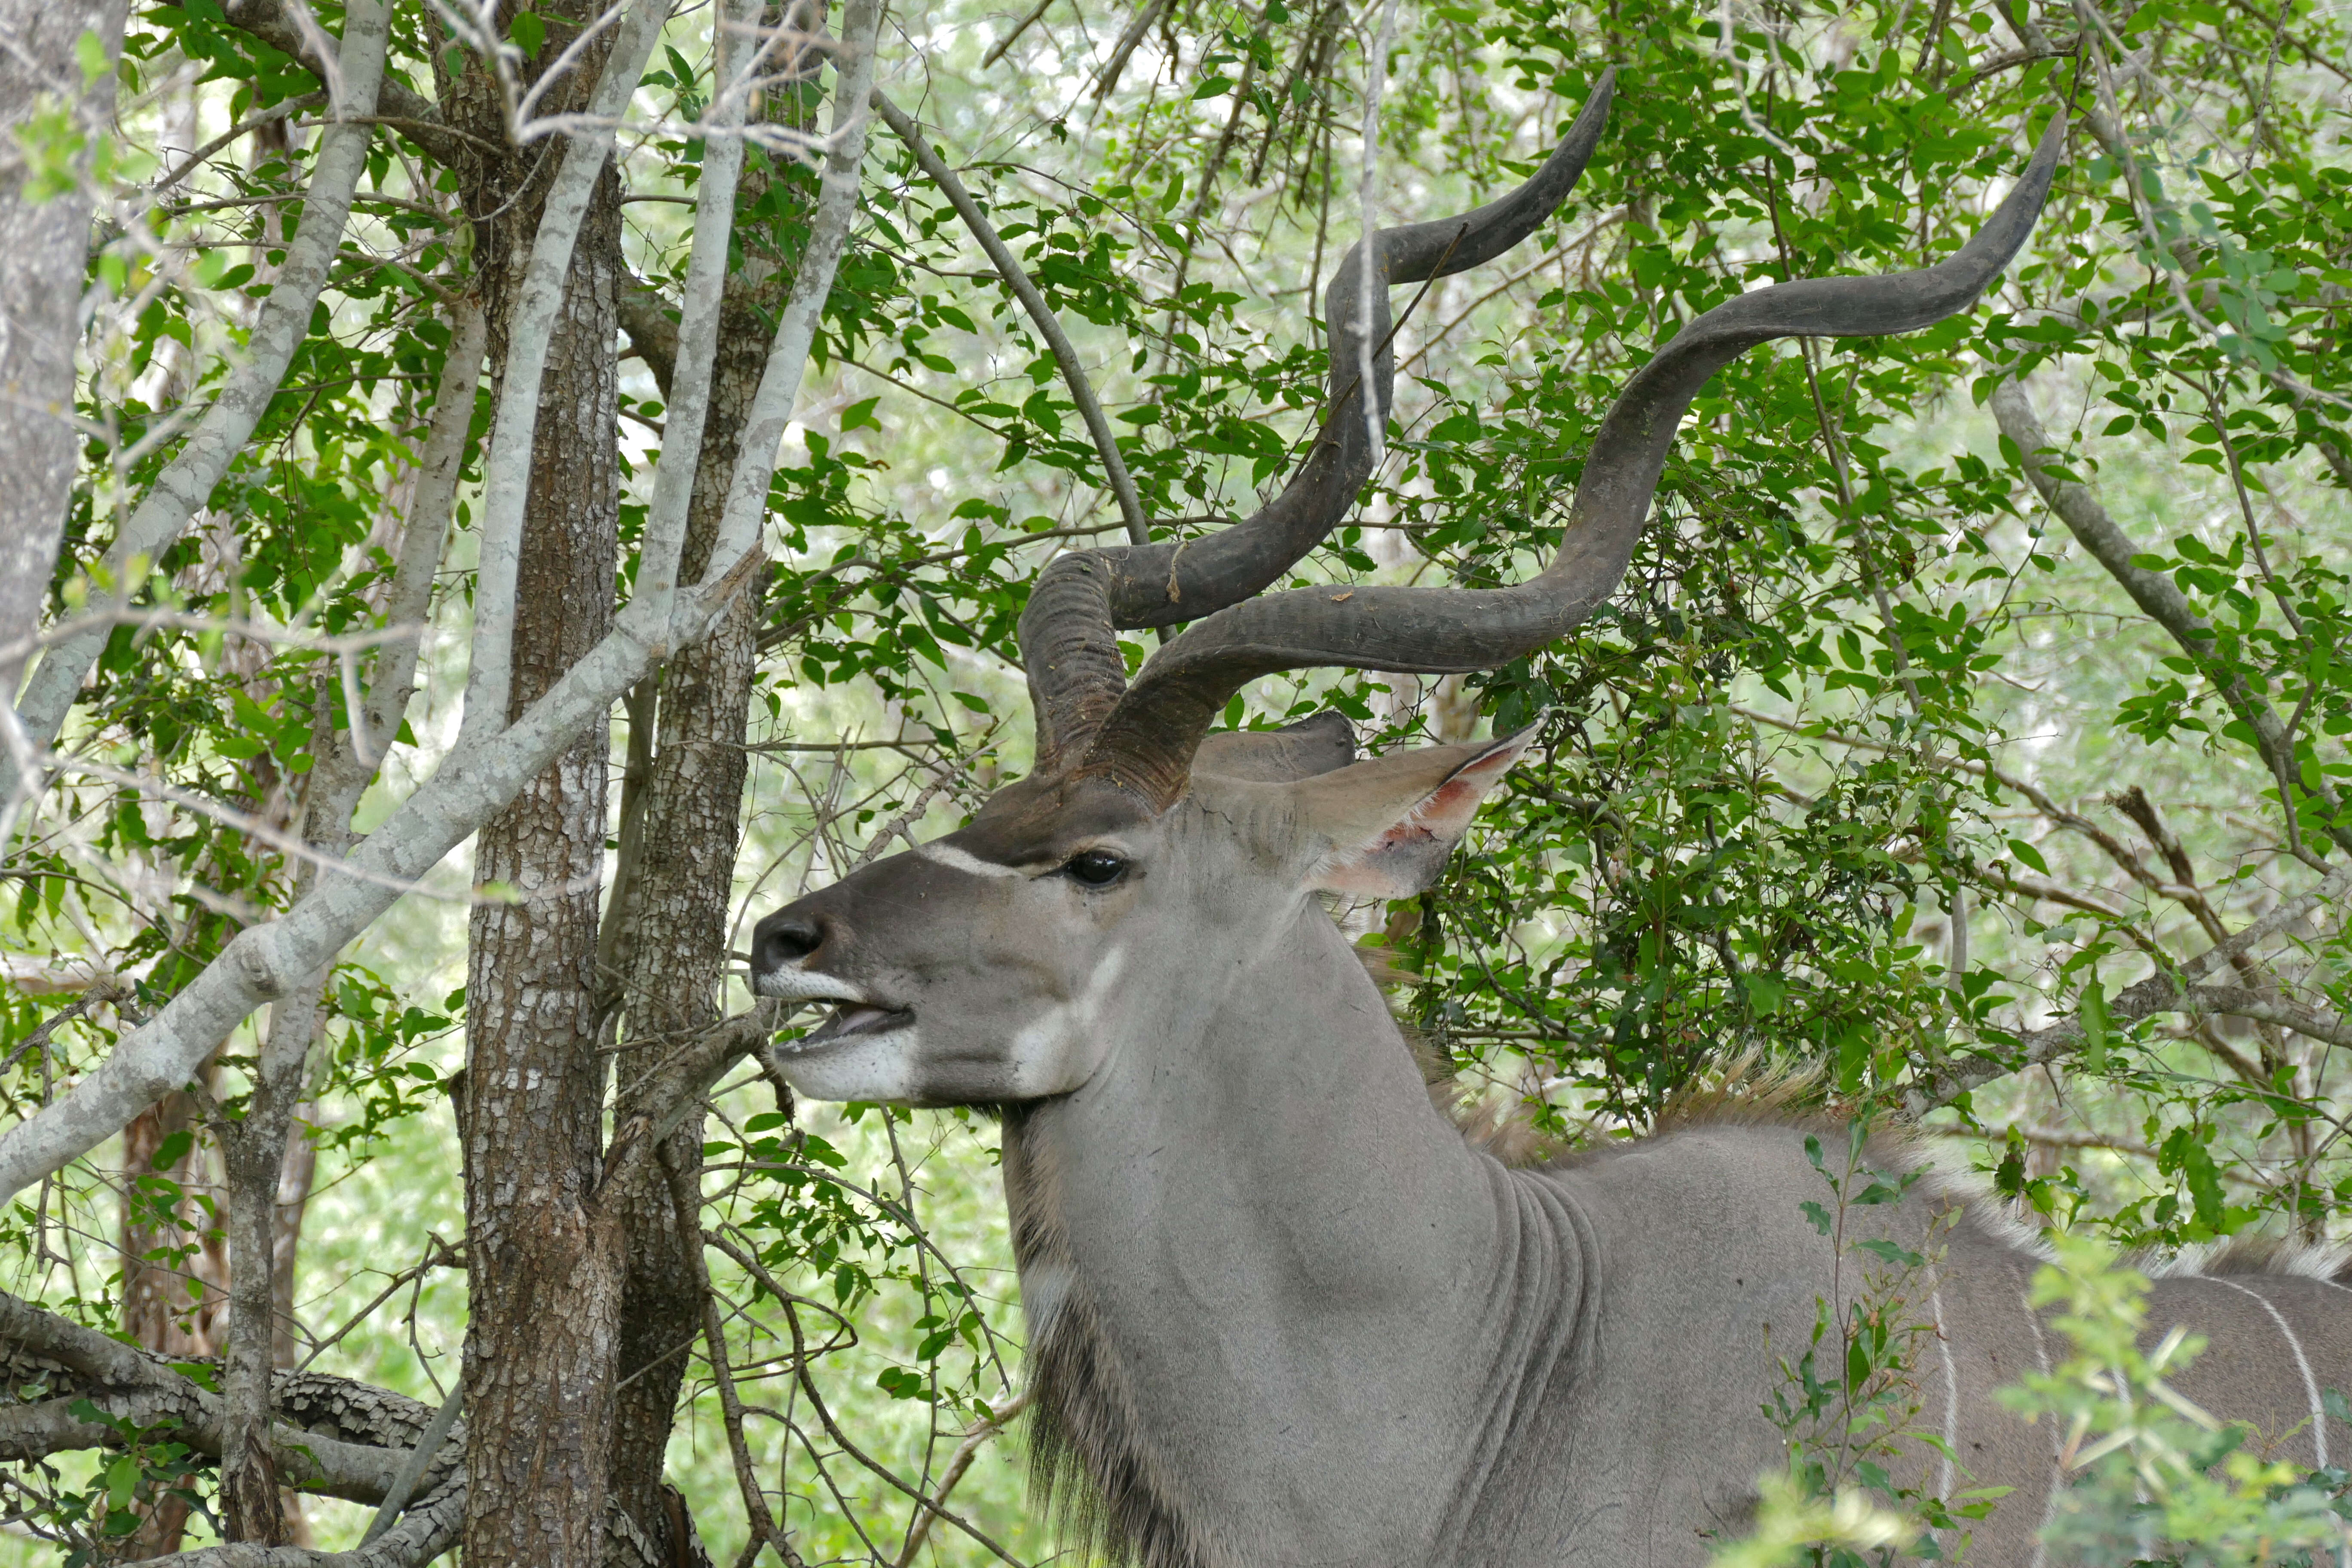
(536, 496)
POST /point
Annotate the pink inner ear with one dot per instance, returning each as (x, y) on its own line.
(1407, 855)
(1448, 809)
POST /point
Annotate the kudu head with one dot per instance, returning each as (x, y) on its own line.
(1102, 897)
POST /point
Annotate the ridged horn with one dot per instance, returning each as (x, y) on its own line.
(1069, 631)
(1146, 742)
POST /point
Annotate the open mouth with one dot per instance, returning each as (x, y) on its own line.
(857, 1018)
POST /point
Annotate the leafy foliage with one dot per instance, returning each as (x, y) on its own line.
(1816, 788)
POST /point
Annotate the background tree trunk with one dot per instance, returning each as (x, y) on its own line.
(172, 1310)
(45, 240)
(673, 952)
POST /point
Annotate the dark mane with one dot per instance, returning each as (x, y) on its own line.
(1089, 1471)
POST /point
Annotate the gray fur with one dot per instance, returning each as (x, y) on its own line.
(1283, 1313)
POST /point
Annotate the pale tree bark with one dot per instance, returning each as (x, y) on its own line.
(544, 1290)
(44, 244)
(186, 482)
(544, 1406)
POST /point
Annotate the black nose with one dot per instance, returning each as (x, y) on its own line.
(787, 938)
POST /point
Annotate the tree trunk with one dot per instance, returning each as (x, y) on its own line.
(45, 238)
(678, 888)
(171, 1308)
(544, 1294)
(543, 1274)
(673, 949)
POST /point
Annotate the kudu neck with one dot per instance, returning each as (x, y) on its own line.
(1287, 1117)
(1260, 1215)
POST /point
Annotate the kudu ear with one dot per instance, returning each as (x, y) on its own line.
(1388, 825)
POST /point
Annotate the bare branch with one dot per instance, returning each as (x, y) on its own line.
(2157, 994)
(430, 506)
(1376, 74)
(753, 1267)
(686, 1200)
(315, 1451)
(478, 780)
(420, 1459)
(402, 108)
(996, 50)
(678, 1085)
(688, 386)
(1106, 81)
(2329, 894)
(246, 127)
(2162, 600)
(424, 1533)
(2042, 801)
(780, 384)
(975, 1437)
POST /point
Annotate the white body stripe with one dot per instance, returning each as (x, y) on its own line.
(2302, 1364)
(2057, 1477)
(1951, 1395)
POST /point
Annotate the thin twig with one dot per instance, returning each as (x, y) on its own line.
(996, 50)
(686, 1199)
(976, 1437)
(276, 111)
(420, 1459)
(752, 1265)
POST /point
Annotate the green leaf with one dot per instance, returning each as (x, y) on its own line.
(529, 32)
(89, 53)
(122, 1481)
(2094, 1028)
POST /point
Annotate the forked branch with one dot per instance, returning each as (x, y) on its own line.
(263, 961)
(186, 482)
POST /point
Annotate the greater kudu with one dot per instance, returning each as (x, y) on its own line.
(1279, 1310)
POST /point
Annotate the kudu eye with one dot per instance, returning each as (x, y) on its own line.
(1096, 867)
